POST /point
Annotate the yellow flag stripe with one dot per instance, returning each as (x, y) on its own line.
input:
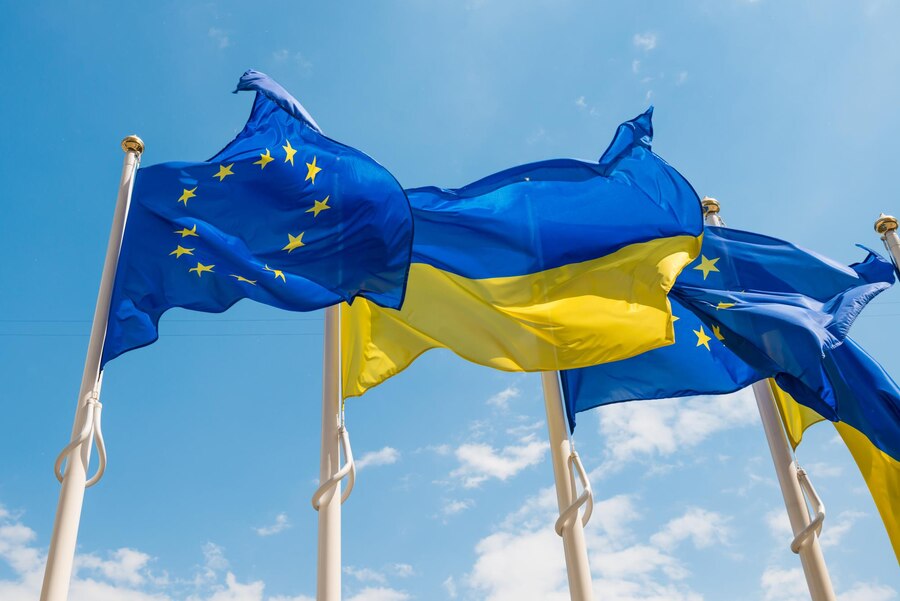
(795, 417)
(577, 315)
(882, 475)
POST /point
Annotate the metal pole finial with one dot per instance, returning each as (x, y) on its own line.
(710, 205)
(885, 224)
(133, 143)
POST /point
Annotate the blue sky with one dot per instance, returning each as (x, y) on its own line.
(786, 112)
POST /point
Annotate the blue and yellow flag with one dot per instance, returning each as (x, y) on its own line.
(282, 215)
(551, 265)
(867, 418)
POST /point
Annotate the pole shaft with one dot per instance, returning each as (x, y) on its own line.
(892, 243)
(814, 568)
(328, 587)
(61, 555)
(577, 566)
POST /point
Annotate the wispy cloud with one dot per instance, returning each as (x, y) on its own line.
(502, 398)
(281, 524)
(384, 456)
(303, 65)
(480, 462)
(220, 37)
(455, 506)
(644, 41)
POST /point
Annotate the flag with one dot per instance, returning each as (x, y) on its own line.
(696, 364)
(867, 418)
(550, 265)
(777, 307)
(737, 272)
(282, 215)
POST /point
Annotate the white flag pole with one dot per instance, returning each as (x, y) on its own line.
(61, 555)
(327, 499)
(887, 227)
(790, 476)
(569, 525)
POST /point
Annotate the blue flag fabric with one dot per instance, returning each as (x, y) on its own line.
(282, 215)
(754, 307)
(778, 307)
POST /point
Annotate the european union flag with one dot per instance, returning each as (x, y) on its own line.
(778, 307)
(790, 302)
(282, 215)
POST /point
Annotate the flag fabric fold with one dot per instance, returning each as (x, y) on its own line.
(551, 265)
(282, 215)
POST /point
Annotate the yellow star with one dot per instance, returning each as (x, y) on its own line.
(294, 242)
(224, 171)
(707, 265)
(724, 306)
(312, 171)
(278, 273)
(200, 268)
(718, 333)
(180, 250)
(188, 232)
(702, 338)
(319, 206)
(264, 159)
(290, 153)
(187, 194)
(675, 318)
(241, 278)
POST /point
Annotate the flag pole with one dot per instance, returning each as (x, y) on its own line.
(327, 499)
(570, 526)
(60, 557)
(806, 541)
(886, 225)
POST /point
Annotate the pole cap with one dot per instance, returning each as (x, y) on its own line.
(133, 143)
(885, 224)
(710, 205)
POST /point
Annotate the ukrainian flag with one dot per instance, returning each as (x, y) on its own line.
(868, 421)
(552, 265)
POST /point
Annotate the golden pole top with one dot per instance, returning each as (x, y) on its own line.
(710, 205)
(133, 144)
(885, 224)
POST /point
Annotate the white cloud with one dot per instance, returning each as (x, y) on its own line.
(403, 570)
(502, 398)
(450, 586)
(365, 574)
(479, 462)
(385, 456)
(703, 528)
(868, 592)
(124, 575)
(379, 594)
(525, 560)
(281, 524)
(823, 470)
(580, 102)
(635, 66)
(779, 524)
(658, 428)
(784, 585)
(681, 78)
(125, 565)
(644, 41)
(454, 506)
(834, 530)
(220, 37)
